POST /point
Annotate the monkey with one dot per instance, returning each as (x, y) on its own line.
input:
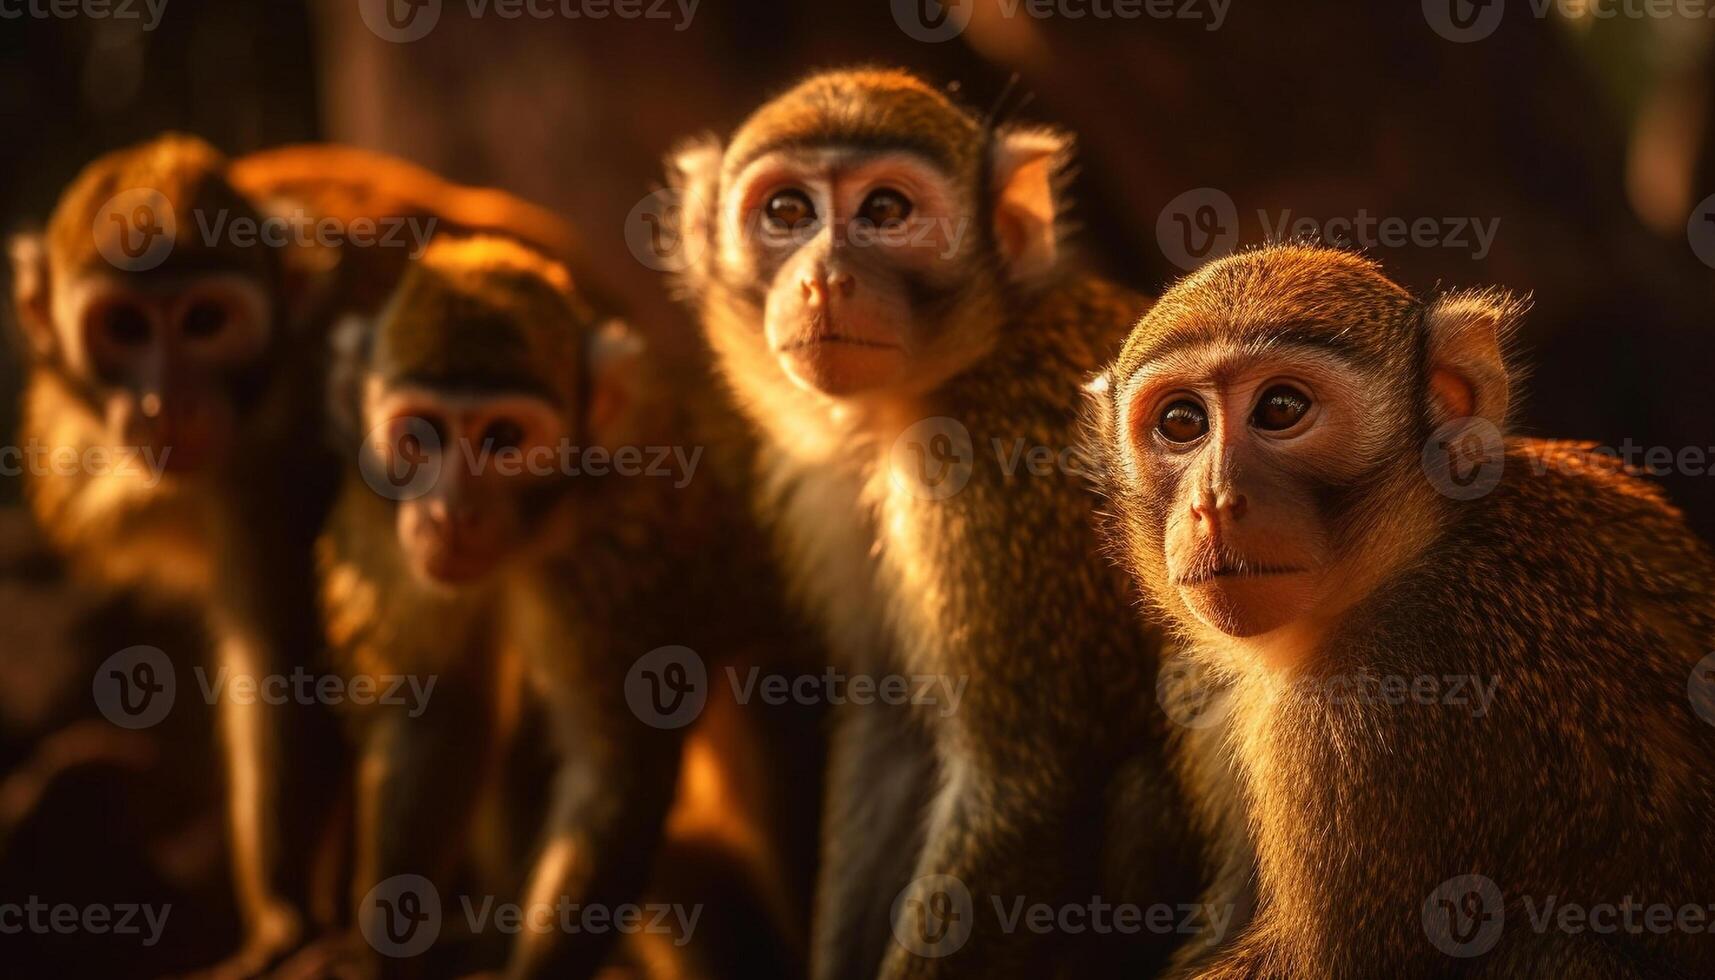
(193, 363)
(485, 367)
(880, 273)
(1310, 476)
(194, 372)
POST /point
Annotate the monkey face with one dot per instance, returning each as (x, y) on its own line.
(492, 463)
(1240, 457)
(167, 359)
(855, 250)
(1266, 434)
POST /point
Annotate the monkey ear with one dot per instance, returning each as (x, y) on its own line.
(1098, 413)
(693, 177)
(30, 290)
(348, 354)
(616, 364)
(1027, 164)
(1468, 332)
(307, 270)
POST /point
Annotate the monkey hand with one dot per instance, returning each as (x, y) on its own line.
(275, 934)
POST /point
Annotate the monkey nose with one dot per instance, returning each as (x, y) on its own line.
(842, 283)
(1224, 506)
(815, 290)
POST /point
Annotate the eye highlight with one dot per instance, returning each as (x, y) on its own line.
(885, 208)
(1183, 421)
(789, 209)
(1281, 408)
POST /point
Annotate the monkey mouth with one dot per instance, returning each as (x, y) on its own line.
(827, 339)
(1237, 570)
(820, 331)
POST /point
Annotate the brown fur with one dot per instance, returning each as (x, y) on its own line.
(1574, 585)
(619, 566)
(999, 583)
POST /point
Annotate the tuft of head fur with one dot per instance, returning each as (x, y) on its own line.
(188, 174)
(471, 310)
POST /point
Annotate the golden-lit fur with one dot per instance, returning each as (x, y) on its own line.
(1572, 587)
(612, 568)
(999, 584)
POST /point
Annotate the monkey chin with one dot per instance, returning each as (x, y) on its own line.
(843, 369)
(448, 570)
(1246, 606)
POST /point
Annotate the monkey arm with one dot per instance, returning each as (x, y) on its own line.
(880, 778)
(418, 780)
(996, 848)
(262, 617)
(616, 780)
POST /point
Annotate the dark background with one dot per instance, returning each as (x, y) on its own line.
(1587, 139)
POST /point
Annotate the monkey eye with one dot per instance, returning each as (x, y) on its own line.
(126, 325)
(1281, 408)
(789, 209)
(885, 208)
(413, 430)
(501, 435)
(204, 320)
(1183, 421)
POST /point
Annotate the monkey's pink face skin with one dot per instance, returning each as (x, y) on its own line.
(168, 356)
(852, 246)
(486, 452)
(1241, 452)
